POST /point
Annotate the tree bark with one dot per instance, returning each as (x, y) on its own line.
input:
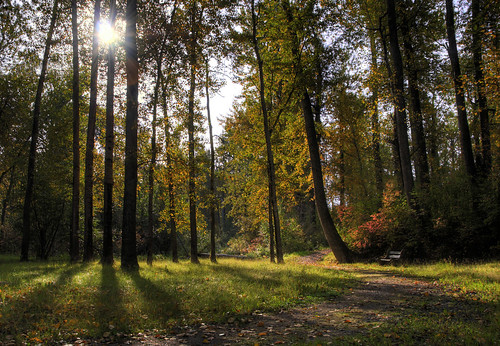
(74, 246)
(477, 57)
(416, 120)
(107, 238)
(88, 242)
(271, 171)
(129, 251)
(152, 164)
(377, 159)
(28, 198)
(339, 248)
(394, 143)
(463, 125)
(400, 102)
(213, 256)
(191, 153)
(271, 230)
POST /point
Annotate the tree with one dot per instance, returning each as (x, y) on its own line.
(194, 18)
(339, 248)
(213, 256)
(477, 57)
(399, 102)
(74, 246)
(34, 139)
(107, 240)
(463, 125)
(269, 151)
(129, 251)
(416, 120)
(88, 198)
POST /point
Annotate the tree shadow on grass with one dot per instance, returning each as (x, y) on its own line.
(110, 315)
(159, 306)
(37, 311)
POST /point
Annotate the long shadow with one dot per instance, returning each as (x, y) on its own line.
(110, 314)
(160, 307)
(30, 311)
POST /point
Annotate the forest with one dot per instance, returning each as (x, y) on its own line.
(361, 126)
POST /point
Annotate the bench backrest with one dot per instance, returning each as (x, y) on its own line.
(394, 254)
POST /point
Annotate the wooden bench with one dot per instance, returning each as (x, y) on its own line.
(391, 256)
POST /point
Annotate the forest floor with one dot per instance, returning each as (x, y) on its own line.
(385, 308)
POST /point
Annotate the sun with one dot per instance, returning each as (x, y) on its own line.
(106, 33)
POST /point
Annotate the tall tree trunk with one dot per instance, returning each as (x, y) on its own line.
(416, 120)
(267, 134)
(394, 143)
(400, 102)
(74, 246)
(271, 230)
(171, 193)
(152, 164)
(463, 125)
(477, 57)
(375, 140)
(107, 238)
(213, 256)
(129, 251)
(191, 153)
(28, 198)
(88, 242)
(339, 248)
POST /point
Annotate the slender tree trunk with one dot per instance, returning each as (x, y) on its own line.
(191, 153)
(377, 159)
(171, 194)
(107, 238)
(416, 120)
(28, 199)
(213, 256)
(339, 248)
(88, 242)
(152, 164)
(394, 143)
(271, 230)
(399, 102)
(463, 125)
(267, 134)
(477, 57)
(74, 246)
(129, 251)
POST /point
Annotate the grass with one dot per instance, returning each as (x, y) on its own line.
(467, 313)
(55, 301)
(43, 302)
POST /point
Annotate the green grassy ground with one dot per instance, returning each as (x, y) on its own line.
(41, 302)
(468, 311)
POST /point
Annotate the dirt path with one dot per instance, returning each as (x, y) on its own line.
(379, 299)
